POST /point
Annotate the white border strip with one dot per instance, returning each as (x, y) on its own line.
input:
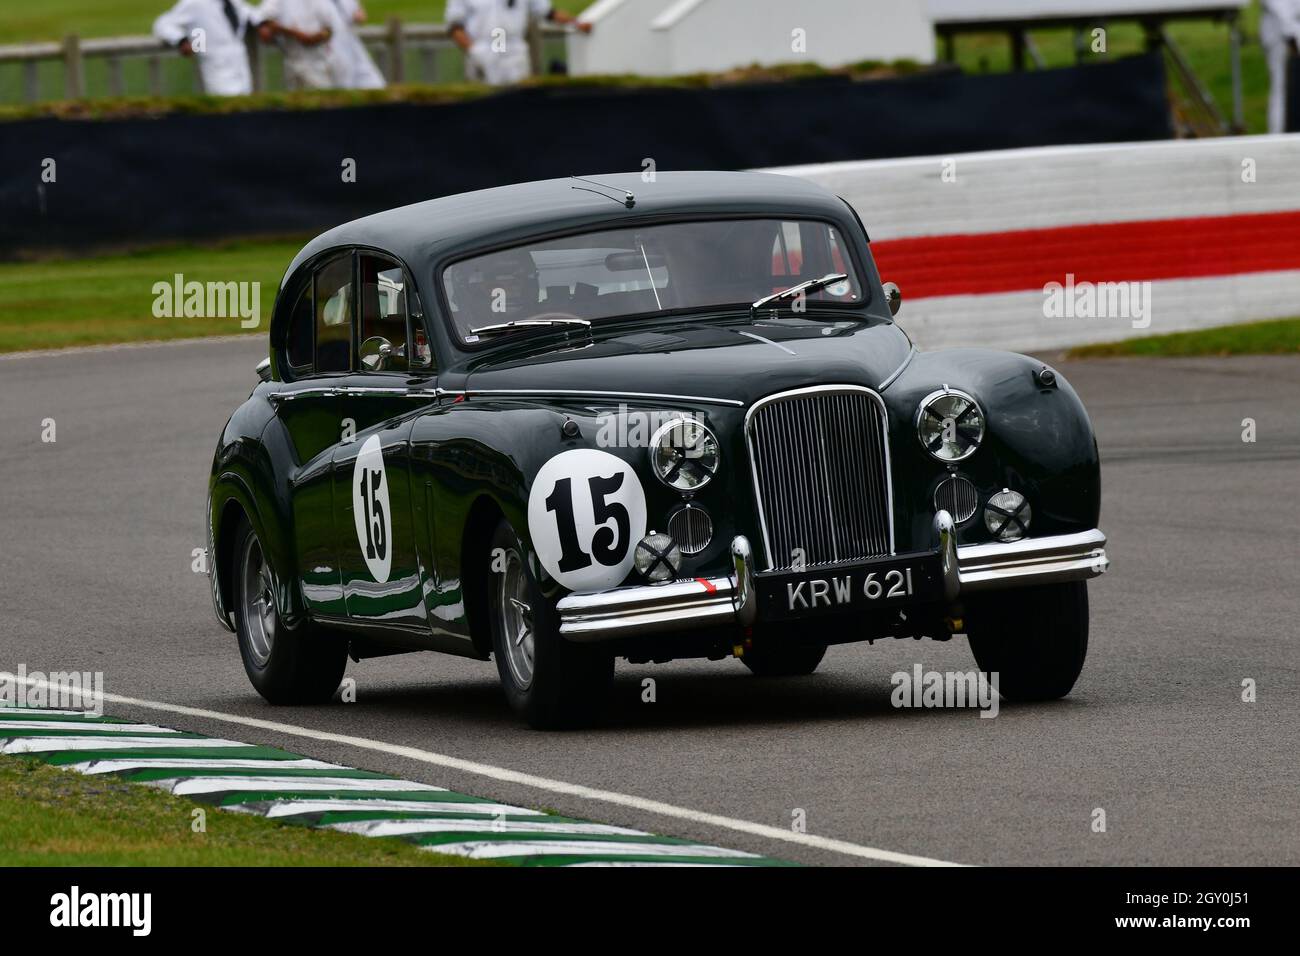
(251, 335)
(505, 775)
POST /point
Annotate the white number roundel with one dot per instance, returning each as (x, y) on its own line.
(586, 513)
(370, 509)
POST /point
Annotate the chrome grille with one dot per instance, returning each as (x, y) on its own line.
(957, 496)
(692, 529)
(821, 473)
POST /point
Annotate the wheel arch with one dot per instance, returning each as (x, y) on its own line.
(476, 543)
(232, 499)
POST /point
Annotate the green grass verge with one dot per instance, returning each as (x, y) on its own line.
(1278, 337)
(109, 299)
(52, 817)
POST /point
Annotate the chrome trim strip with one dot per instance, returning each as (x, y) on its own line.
(1030, 561)
(775, 345)
(352, 390)
(898, 371)
(888, 517)
(324, 391)
(581, 392)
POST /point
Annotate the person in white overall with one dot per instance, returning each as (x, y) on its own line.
(1279, 29)
(305, 31)
(213, 31)
(493, 35)
(353, 64)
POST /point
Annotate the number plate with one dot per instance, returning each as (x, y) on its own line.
(909, 579)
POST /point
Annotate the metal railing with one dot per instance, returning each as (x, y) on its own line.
(404, 53)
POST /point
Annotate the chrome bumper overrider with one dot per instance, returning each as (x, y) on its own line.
(710, 602)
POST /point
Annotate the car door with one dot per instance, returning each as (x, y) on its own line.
(381, 525)
(317, 354)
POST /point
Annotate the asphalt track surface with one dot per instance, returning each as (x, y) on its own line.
(95, 555)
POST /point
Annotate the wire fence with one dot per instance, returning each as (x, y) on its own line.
(79, 68)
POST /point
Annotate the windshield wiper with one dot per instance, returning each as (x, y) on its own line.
(527, 324)
(812, 285)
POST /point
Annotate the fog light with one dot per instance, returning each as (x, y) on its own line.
(658, 557)
(1007, 515)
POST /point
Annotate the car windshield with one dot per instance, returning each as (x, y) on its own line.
(646, 270)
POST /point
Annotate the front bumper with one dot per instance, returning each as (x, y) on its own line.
(731, 600)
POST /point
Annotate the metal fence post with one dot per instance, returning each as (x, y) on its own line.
(255, 63)
(155, 75)
(32, 80)
(535, 41)
(74, 80)
(116, 84)
(396, 52)
(1238, 114)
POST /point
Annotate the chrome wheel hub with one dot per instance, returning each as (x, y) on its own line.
(516, 620)
(257, 603)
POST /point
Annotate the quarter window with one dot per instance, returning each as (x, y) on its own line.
(334, 316)
(299, 349)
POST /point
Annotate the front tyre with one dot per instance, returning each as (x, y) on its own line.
(549, 682)
(299, 666)
(1035, 639)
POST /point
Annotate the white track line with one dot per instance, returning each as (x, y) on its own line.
(74, 350)
(495, 849)
(505, 775)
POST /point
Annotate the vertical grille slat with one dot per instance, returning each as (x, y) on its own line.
(821, 473)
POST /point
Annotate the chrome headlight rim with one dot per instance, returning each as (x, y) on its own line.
(708, 434)
(942, 393)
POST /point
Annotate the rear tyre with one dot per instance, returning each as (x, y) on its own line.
(299, 666)
(549, 682)
(777, 652)
(1035, 639)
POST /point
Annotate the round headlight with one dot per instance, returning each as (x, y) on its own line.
(684, 454)
(950, 424)
(1007, 515)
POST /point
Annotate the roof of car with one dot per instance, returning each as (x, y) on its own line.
(427, 231)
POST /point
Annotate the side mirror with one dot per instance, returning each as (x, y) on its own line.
(375, 353)
(264, 370)
(893, 297)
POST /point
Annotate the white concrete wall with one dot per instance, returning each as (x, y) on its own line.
(1201, 185)
(668, 37)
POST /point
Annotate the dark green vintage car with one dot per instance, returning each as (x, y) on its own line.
(573, 420)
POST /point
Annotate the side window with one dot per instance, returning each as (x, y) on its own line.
(386, 318)
(334, 315)
(298, 347)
